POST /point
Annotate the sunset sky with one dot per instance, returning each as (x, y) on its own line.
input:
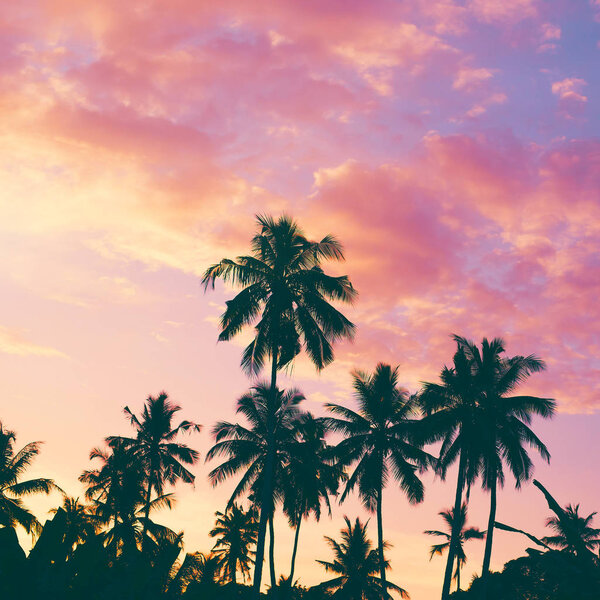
(452, 146)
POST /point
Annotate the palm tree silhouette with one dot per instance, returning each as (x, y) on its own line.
(287, 291)
(504, 421)
(260, 450)
(450, 409)
(81, 524)
(236, 530)
(155, 450)
(356, 566)
(311, 476)
(465, 534)
(577, 525)
(13, 465)
(382, 439)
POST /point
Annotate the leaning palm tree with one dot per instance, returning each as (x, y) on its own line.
(13, 465)
(287, 295)
(311, 476)
(576, 525)
(504, 421)
(356, 566)
(236, 530)
(382, 438)
(465, 534)
(156, 450)
(260, 451)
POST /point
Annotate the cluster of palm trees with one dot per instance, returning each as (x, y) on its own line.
(281, 453)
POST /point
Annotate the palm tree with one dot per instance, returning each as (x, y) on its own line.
(116, 489)
(465, 534)
(236, 530)
(13, 465)
(311, 476)
(81, 523)
(287, 294)
(356, 565)
(154, 448)
(267, 441)
(577, 525)
(450, 409)
(504, 420)
(382, 439)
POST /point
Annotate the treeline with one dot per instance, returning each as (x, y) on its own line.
(281, 457)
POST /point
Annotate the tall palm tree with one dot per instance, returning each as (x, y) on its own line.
(13, 465)
(450, 409)
(260, 450)
(504, 420)
(287, 294)
(577, 525)
(382, 438)
(356, 566)
(465, 534)
(236, 530)
(154, 448)
(311, 476)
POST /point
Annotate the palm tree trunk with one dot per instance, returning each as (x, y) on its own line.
(272, 552)
(489, 536)
(296, 537)
(460, 484)
(458, 578)
(380, 542)
(266, 496)
(146, 514)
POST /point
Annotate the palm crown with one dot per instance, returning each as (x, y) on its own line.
(13, 465)
(578, 526)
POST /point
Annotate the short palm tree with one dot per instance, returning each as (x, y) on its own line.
(287, 295)
(356, 566)
(577, 525)
(382, 438)
(465, 534)
(117, 492)
(13, 465)
(155, 449)
(268, 440)
(311, 476)
(236, 531)
(81, 523)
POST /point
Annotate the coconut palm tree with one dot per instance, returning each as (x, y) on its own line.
(287, 295)
(81, 523)
(155, 449)
(311, 476)
(356, 566)
(236, 530)
(450, 409)
(465, 534)
(382, 439)
(13, 465)
(117, 492)
(577, 525)
(260, 450)
(504, 420)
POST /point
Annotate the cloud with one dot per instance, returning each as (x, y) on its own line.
(469, 78)
(571, 99)
(13, 341)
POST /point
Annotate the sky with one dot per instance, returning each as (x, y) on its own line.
(453, 147)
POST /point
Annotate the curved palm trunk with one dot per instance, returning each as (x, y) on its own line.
(272, 552)
(489, 537)
(295, 550)
(460, 484)
(266, 498)
(146, 515)
(380, 543)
